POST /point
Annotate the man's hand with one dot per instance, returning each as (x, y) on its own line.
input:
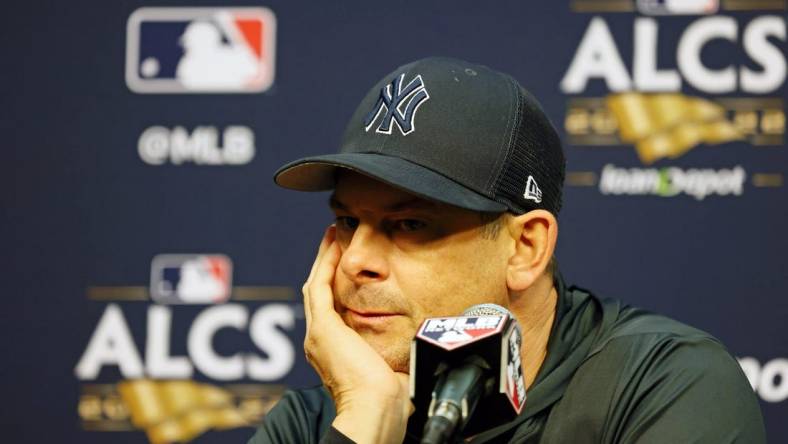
(372, 401)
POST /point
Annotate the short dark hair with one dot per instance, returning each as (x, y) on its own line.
(491, 224)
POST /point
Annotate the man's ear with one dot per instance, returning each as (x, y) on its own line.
(535, 234)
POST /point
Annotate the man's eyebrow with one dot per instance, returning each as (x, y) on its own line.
(335, 204)
(411, 203)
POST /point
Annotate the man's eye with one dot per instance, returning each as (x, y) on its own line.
(346, 222)
(408, 225)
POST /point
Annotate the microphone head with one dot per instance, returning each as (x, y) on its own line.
(488, 332)
(490, 309)
(512, 381)
(486, 310)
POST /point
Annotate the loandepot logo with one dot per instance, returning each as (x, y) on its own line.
(137, 368)
(671, 181)
(663, 108)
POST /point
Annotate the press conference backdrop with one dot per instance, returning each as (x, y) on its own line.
(152, 268)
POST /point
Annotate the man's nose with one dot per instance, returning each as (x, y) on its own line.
(364, 260)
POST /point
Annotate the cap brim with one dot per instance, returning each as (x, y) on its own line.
(318, 174)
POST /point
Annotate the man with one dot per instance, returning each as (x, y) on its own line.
(446, 192)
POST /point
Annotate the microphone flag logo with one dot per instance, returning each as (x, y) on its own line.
(454, 332)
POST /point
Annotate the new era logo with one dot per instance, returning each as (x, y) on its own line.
(398, 106)
(532, 191)
(200, 50)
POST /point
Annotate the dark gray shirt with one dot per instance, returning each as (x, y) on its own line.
(612, 374)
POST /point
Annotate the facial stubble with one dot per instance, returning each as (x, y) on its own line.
(393, 343)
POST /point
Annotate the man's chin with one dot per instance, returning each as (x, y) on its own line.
(396, 356)
(399, 365)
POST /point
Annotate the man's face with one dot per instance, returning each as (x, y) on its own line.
(405, 259)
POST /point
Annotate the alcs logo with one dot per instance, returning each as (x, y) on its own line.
(157, 359)
(645, 105)
(200, 50)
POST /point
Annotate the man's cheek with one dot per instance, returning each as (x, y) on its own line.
(339, 286)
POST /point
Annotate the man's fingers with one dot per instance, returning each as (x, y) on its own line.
(321, 296)
(328, 237)
(319, 299)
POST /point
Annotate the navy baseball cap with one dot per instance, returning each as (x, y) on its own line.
(449, 131)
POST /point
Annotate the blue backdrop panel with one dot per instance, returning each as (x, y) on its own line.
(113, 194)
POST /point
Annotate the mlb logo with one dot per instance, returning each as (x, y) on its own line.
(451, 333)
(191, 278)
(678, 7)
(200, 50)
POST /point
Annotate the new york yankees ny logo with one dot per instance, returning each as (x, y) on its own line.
(397, 105)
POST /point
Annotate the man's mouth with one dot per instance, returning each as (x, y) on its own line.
(375, 319)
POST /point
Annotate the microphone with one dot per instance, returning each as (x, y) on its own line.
(476, 360)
